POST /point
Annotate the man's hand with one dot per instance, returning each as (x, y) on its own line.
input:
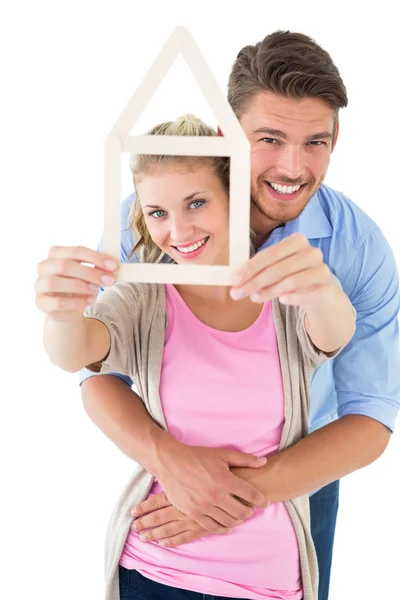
(199, 483)
(171, 527)
(291, 270)
(167, 524)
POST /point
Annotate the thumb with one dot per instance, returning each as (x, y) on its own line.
(241, 459)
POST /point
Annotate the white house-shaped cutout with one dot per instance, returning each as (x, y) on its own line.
(233, 144)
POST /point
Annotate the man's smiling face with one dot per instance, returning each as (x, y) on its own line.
(291, 144)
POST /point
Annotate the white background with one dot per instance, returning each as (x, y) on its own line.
(68, 70)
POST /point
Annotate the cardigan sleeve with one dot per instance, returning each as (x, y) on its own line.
(117, 307)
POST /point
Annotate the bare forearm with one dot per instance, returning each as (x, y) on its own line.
(350, 443)
(332, 325)
(66, 343)
(121, 415)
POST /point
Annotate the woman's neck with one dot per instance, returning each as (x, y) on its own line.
(216, 293)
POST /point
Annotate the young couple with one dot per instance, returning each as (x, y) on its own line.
(227, 372)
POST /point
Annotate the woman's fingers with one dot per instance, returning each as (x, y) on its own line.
(73, 263)
(308, 280)
(54, 304)
(83, 254)
(55, 284)
(74, 270)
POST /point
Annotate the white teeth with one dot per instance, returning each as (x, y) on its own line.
(284, 189)
(192, 248)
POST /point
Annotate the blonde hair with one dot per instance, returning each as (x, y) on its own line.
(187, 125)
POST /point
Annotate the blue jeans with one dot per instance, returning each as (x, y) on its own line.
(133, 586)
(324, 507)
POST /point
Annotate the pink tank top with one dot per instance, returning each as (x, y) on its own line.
(224, 390)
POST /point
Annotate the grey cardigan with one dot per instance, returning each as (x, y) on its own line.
(135, 315)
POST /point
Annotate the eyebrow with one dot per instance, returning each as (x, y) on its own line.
(187, 199)
(279, 133)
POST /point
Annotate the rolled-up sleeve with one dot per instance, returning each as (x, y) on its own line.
(116, 307)
(367, 370)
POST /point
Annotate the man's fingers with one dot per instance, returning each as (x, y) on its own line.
(153, 503)
(185, 537)
(210, 525)
(223, 518)
(83, 254)
(239, 511)
(241, 459)
(168, 530)
(157, 518)
(245, 491)
(269, 256)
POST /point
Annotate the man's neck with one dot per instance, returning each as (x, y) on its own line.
(261, 226)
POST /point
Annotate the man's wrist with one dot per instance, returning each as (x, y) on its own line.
(162, 446)
(264, 478)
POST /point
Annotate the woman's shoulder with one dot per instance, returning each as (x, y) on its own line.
(146, 292)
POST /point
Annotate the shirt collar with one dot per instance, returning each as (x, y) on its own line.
(313, 223)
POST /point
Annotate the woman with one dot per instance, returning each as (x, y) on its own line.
(212, 370)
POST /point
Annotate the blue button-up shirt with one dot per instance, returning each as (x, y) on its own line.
(365, 377)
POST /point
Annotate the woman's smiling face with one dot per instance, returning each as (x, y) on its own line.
(186, 210)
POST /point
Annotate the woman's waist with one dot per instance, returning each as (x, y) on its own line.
(266, 539)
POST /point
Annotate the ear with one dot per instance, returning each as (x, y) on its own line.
(219, 131)
(335, 135)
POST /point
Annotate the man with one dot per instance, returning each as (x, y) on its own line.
(287, 94)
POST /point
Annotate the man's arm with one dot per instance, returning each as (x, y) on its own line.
(121, 415)
(330, 453)
(198, 480)
(367, 384)
(350, 443)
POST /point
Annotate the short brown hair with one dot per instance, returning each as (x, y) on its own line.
(289, 64)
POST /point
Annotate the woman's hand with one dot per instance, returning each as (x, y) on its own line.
(65, 286)
(291, 270)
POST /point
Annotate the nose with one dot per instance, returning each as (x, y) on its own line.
(290, 163)
(181, 230)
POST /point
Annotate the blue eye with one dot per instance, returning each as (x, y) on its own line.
(197, 203)
(157, 214)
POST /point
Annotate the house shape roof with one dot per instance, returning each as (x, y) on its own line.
(233, 144)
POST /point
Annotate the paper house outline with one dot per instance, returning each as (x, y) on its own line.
(233, 144)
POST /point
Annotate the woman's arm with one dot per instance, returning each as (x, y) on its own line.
(74, 345)
(331, 324)
(65, 287)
